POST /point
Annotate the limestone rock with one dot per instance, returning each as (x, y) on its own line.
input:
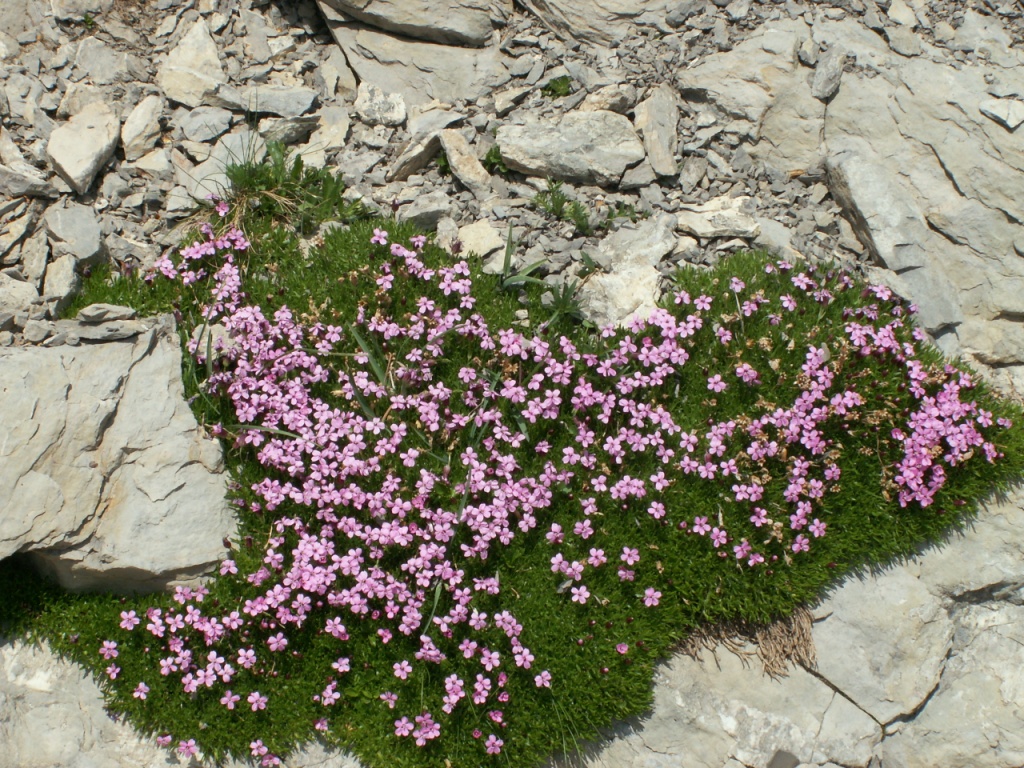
(75, 230)
(647, 242)
(15, 295)
(584, 147)
(192, 70)
(62, 280)
(280, 100)
(598, 21)
(1007, 112)
(109, 479)
(726, 708)
(719, 217)
(655, 120)
(482, 239)
(103, 313)
(141, 129)
(451, 22)
(465, 165)
(419, 71)
(974, 717)
(887, 669)
(377, 108)
(210, 177)
(426, 210)
(80, 147)
(615, 298)
(882, 211)
(101, 63)
(827, 74)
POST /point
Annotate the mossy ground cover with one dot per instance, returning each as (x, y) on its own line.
(467, 541)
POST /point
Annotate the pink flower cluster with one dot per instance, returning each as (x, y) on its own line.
(387, 525)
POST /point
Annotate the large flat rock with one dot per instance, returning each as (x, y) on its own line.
(583, 147)
(419, 71)
(450, 22)
(104, 474)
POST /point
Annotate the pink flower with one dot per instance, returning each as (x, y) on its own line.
(113, 671)
(277, 642)
(164, 740)
(651, 597)
(129, 620)
(622, 648)
(403, 727)
(580, 595)
(630, 556)
(140, 691)
(187, 748)
(229, 699)
(402, 669)
(493, 744)
(380, 237)
(108, 650)
(543, 680)
(257, 701)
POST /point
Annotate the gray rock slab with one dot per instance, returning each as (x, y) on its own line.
(81, 146)
(886, 668)
(101, 63)
(280, 100)
(883, 212)
(102, 313)
(718, 217)
(109, 480)
(210, 177)
(62, 280)
(420, 71)
(465, 165)
(598, 21)
(375, 107)
(1009, 113)
(141, 128)
(426, 210)
(655, 119)
(827, 74)
(986, 559)
(724, 708)
(75, 230)
(583, 147)
(24, 181)
(975, 718)
(205, 123)
(16, 295)
(451, 22)
(646, 242)
(193, 69)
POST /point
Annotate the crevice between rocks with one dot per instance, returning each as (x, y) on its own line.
(840, 692)
(907, 717)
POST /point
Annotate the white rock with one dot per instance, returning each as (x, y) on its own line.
(75, 230)
(452, 22)
(15, 295)
(719, 217)
(110, 479)
(377, 108)
(483, 240)
(886, 668)
(646, 242)
(192, 70)
(80, 147)
(655, 119)
(583, 147)
(465, 165)
(141, 129)
(1007, 112)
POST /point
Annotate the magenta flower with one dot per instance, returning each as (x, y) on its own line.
(257, 701)
(108, 650)
(651, 597)
(380, 237)
(163, 740)
(113, 671)
(543, 680)
(622, 648)
(403, 727)
(187, 748)
(277, 642)
(580, 595)
(140, 691)
(493, 744)
(129, 620)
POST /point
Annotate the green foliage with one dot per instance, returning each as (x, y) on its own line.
(284, 190)
(556, 203)
(443, 166)
(558, 88)
(494, 162)
(597, 685)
